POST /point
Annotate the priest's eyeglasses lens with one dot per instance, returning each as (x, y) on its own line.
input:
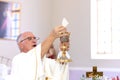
(30, 38)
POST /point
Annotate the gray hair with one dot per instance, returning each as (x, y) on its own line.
(19, 38)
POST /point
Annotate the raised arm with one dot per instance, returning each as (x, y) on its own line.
(55, 33)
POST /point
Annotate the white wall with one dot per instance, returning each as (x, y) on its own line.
(35, 17)
(78, 14)
(39, 16)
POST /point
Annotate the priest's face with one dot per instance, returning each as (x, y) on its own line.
(28, 42)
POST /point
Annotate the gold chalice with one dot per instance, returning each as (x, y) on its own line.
(64, 45)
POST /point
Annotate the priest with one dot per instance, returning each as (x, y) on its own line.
(31, 63)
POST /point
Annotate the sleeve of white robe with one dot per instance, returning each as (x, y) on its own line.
(50, 68)
(24, 65)
(56, 71)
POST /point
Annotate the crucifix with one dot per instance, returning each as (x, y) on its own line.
(94, 73)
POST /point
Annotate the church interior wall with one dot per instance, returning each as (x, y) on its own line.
(40, 16)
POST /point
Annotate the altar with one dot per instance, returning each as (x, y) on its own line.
(76, 73)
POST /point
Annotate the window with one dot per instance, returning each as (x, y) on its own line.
(105, 29)
(9, 20)
(15, 20)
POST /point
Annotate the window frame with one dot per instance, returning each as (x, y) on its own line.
(94, 44)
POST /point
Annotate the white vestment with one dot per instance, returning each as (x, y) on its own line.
(30, 66)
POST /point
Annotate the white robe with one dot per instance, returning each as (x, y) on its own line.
(30, 66)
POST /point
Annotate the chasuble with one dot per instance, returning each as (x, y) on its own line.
(30, 66)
